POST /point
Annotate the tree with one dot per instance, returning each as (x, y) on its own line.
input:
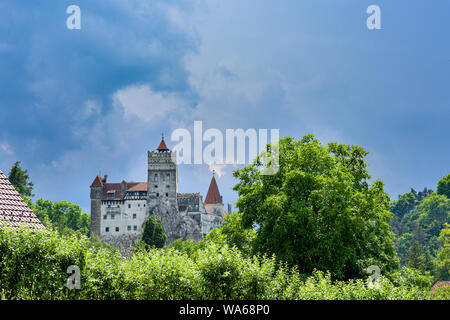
(444, 253)
(415, 257)
(233, 234)
(20, 180)
(63, 216)
(319, 210)
(153, 234)
(443, 186)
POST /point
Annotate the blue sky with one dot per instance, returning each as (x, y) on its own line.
(76, 103)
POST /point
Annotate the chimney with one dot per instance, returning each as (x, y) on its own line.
(124, 187)
(229, 207)
(105, 178)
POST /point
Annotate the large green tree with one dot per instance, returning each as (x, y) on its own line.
(153, 234)
(319, 210)
(443, 186)
(444, 253)
(20, 179)
(63, 216)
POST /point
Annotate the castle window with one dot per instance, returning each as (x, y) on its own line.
(167, 194)
(134, 215)
(105, 217)
(129, 228)
(113, 216)
(107, 229)
(156, 186)
(129, 206)
(157, 194)
(135, 228)
(117, 229)
(156, 177)
(139, 205)
(111, 194)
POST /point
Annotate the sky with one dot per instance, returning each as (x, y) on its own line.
(78, 103)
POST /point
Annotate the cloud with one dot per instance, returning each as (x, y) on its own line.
(6, 148)
(147, 105)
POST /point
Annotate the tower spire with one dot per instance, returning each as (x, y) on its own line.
(162, 145)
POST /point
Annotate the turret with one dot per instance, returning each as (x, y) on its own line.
(213, 202)
(162, 176)
(96, 202)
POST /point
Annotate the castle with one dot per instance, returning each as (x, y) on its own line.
(119, 210)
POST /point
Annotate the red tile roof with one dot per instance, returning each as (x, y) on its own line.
(213, 196)
(14, 212)
(116, 188)
(440, 284)
(162, 146)
(97, 182)
(140, 186)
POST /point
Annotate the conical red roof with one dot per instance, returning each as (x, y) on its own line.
(213, 196)
(97, 182)
(162, 146)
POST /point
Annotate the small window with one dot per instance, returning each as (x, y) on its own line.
(144, 205)
(134, 215)
(111, 194)
(139, 205)
(157, 194)
(156, 177)
(129, 206)
(167, 194)
(156, 186)
(129, 228)
(135, 228)
(107, 229)
(112, 217)
(105, 217)
(117, 229)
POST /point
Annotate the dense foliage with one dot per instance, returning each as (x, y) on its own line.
(63, 216)
(20, 180)
(418, 221)
(153, 234)
(34, 266)
(319, 210)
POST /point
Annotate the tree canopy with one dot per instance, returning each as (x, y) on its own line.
(443, 186)
(319, 210)
(153, 234)
(20, 179)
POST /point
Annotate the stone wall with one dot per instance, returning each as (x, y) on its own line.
(124, 243)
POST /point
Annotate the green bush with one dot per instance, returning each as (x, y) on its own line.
(33, 265)
(442, 293)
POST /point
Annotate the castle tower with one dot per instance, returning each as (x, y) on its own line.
(96, 203)
(213, 202)
(162, 176)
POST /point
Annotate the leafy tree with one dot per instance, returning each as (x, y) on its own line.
(415, 257)
(319, 210)
(444, 186)
(62, 215)
(153, 234)
(20, 180)
(444, 253)
(233, 234)
(405, 204)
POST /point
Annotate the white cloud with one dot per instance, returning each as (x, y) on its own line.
(146, 104)
(219, 169)
(6, 148)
